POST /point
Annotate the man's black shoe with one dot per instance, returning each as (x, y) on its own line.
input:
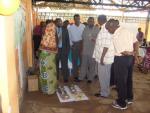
(96, 76)
(65, 81)
(77, 80)
(89, 81)
(99, 95)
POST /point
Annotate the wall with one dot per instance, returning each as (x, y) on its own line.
(8, 80)
(23, 44)
(20, 49)
(16, 56)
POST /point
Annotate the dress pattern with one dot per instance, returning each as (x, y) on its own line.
(48, 75)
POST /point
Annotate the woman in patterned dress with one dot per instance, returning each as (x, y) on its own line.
(48, 79)
(145, 66)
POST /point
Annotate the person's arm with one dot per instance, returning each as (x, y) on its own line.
(67, 41)
(136, 51)
(106, 40)
(83, 39)
(70, 36)
(56, 35)
(103, 55)
(136, 47)
(96, 31)
(83, 34)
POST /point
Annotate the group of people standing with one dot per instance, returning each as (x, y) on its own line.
(97, 48)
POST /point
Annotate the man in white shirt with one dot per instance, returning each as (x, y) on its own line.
(104, 55)
(75, 36)
(125, 44)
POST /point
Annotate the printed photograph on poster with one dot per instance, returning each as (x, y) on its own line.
(70, 93)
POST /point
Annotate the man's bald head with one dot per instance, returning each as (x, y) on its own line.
(112, 25)
(102, 19)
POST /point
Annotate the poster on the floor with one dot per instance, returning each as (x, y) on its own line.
(70, 93)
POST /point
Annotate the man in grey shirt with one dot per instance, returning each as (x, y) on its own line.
(88, 63)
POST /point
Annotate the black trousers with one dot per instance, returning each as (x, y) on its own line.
(63, 58)
(112, 76)
(76, 53)
(37, 40)
(123, 70)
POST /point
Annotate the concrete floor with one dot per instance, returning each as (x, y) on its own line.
(36, 102)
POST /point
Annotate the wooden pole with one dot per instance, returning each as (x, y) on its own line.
(147, 24)
(29, 29)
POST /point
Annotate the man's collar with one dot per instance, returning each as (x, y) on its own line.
(77, 25)
(90, 26)
(118, 30)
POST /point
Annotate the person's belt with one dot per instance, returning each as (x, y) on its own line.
(77, 42)
(121, 54)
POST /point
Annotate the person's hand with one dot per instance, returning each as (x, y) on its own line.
(137, 60)
(102, 61)
(126, 53)
(93, 40)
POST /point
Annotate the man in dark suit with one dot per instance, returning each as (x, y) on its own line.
(63, 49)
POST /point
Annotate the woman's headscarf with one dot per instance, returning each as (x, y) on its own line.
(49, 38)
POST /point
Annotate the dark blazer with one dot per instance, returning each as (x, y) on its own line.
(65, 41)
